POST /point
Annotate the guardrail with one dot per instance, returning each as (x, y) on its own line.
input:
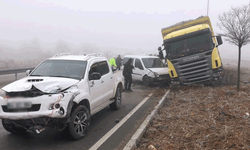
(14, 71)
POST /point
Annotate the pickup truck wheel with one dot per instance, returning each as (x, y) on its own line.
(146, 80)
(118, 100)
(79, 122)
(10, 127)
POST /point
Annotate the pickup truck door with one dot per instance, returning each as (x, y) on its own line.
(138, 70)
(95, 88)
(107, 80)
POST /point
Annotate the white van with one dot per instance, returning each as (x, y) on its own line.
(148, 69)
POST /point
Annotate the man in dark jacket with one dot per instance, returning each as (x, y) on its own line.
(127, 73)
(118, 62)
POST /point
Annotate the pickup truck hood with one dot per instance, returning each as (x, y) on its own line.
(160, 71)
(44, 84)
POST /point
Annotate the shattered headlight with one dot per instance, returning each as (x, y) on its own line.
(156, 74)
(2, 93)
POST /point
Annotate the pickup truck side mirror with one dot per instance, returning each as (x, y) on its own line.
(219, 40)
(113, 68)
(95, 76)
(28, 72)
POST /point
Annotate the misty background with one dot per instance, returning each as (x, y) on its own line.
(33, 30)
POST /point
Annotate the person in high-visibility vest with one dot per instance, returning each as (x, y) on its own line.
(112, 62)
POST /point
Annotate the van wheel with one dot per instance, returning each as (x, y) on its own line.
(10, 127)
(79, 122)
(146, 80)
(118, 99)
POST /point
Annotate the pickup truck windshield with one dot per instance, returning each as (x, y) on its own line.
(61, 68)
(189, 46)
(153, 63)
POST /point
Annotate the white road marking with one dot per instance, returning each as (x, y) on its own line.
(140, 131)
(107, 135)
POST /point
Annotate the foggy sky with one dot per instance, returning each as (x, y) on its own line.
(127, 26)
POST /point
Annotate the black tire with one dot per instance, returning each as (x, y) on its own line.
(146, 80)
(10, 127)
(79, 122)
(118, 99)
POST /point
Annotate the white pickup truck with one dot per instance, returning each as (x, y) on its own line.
(62, 92)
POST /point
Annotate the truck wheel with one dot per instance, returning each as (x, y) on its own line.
(118, 100)
(146, 80)
(79, 122)
(10, 127)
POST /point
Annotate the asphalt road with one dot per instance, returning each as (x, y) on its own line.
(101, 123)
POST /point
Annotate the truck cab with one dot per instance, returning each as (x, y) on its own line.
(192, 52)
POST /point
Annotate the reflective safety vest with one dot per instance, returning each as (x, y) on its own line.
(112, 62)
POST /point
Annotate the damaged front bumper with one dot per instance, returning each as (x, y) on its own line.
(50, 105)
(161, 78)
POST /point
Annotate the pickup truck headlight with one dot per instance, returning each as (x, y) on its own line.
(2, 93)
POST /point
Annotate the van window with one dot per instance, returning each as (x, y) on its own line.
(125, 59)
(138, 64)
(153, 63)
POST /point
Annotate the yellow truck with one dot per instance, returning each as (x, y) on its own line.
(192, 52)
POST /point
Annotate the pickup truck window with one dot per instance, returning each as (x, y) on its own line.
(103, 67)
(100, 67)
(94, 68)
(61, 68)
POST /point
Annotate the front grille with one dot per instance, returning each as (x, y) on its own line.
(194, 71)
(34, 107)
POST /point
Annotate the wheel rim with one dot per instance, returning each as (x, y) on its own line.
(118, 97)
(80, 122)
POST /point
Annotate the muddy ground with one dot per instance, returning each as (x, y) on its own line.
(204, 117)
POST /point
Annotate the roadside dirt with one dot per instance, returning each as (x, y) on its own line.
(203, 117)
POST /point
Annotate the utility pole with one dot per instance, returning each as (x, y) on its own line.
(207, 6)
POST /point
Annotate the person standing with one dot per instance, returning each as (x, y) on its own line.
(118, 62)
(127, 73)
(112, 62)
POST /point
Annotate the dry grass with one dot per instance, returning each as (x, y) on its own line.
(203, 117)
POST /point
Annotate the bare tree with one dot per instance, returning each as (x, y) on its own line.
(236, 27)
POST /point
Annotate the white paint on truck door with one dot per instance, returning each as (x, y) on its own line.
(95, 88)
(107, 80)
